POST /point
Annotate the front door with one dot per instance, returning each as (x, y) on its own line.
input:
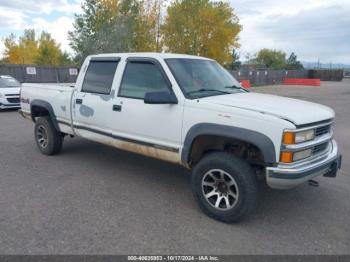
(157, 126)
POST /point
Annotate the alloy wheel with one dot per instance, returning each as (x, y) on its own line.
(220, 189)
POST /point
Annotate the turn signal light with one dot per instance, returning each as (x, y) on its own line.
(286, 157)
(289, 138)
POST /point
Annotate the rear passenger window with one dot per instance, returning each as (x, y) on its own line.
(99, 77)
(141, 78)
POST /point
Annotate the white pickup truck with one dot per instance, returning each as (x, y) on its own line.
(190, 111)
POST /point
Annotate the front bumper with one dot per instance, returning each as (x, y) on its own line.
(284, 177)
(5, 106)
(6, 102)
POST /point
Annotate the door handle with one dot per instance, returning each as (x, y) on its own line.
(117, 108)
(79, 101)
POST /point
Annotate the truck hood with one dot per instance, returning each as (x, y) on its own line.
(296, 111)
(10, 90)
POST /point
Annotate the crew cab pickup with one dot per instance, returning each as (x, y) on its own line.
(190, 111)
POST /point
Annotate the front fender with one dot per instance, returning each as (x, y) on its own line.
(260, 140)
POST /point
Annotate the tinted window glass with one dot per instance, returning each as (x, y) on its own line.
(141, 78)
(99, 77)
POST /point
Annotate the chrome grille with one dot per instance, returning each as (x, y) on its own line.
(320, 148)
(322, 130)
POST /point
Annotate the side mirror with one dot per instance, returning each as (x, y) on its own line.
(159, 98)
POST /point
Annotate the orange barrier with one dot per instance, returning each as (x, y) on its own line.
(302, 81)
(245, 83)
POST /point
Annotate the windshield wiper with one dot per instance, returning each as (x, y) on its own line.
(236, 87)
(233, 87)
(208, 90)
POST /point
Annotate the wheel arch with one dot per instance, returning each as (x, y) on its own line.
(43, 108)
(259, 140)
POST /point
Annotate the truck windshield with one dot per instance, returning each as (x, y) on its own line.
(202, 78)
(7, 81)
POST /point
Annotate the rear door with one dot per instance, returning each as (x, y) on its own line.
(93, 101)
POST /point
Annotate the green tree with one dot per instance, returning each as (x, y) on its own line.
(49, 52)
(273, 59)
(65, 59)
(112, 26)
(201, 27)
(293, 63)
(235, 60)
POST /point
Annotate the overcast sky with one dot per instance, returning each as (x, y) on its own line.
(313, 29)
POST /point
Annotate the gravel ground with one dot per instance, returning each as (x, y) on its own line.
(93, 199)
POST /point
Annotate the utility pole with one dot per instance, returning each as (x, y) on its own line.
(158, 24)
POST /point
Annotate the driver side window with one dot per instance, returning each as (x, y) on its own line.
(140, 78)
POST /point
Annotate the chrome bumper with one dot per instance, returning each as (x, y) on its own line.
(284, 177)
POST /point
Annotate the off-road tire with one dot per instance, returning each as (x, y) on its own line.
(244, 178)
(48, 139)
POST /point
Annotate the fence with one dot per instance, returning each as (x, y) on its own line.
(347, 73)
(270, 77)
(40, 74)
(327, 75)
(46, 74)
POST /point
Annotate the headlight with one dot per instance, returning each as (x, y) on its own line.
(304, 136)
(289, 157)
(298, 137)
(302, 154)
(293, 138)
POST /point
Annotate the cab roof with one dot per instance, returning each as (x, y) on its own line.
(151, 55)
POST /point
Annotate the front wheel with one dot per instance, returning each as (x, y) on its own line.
(225, 187)
(48, 139)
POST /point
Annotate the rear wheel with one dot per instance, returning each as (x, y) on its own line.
(225, 187)
(48, 139)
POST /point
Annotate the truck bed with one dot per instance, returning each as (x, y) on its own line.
(57, 95)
